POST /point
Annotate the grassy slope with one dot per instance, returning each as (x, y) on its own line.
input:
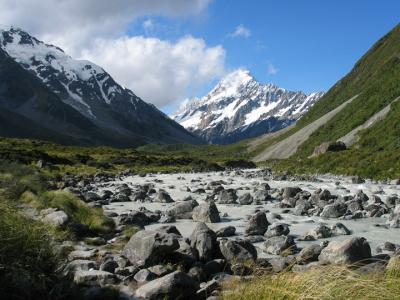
(330, 282)
(375, 78)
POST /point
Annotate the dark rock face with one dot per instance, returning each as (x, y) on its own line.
(309, 253)
(147, 247)
(346, 252)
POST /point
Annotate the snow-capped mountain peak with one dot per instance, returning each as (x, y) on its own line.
(68, 77)
(239, 104)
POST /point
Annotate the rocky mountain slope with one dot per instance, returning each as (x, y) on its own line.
(46, 94)
(369, 124)
(240, 107)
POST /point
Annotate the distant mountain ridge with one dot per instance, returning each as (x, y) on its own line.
(92, 109)
(240, 107)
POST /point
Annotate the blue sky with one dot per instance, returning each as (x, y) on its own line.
(308, 45)
(168, 50)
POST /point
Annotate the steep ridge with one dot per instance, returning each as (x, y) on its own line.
(375, 79)
(240, 107)
(75, 100)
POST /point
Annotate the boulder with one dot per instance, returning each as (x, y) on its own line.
(226, 231)
(277, 229)
(258, 224)
(206, 212)
(144, 275)
(148, 247)
(204, 240)
(235, 251)
(94, 277)
(246, 199)
(320, 232)
(174, 286)
(227, 197)
(183, 210)
(335, 210)
(308, 254)
(278, 244)
(290, 192)
(348, 251)
(163, 197)
(137, 218)
(329, 147)
(57, 218)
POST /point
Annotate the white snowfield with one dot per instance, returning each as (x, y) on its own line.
(289, 146)
(237, 215)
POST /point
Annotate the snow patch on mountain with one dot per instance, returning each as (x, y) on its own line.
(238, 103)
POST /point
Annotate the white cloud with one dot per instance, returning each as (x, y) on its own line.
(241, 31)
(271, 69)
(73, 24)
(148, 24)
(157, 70)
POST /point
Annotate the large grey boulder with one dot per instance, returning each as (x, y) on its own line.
(290, 192)
(348, 251)
(246, 199)
(335, 210)
(183, 210)
(278, 244)
(204, 240)
(227, 197)
(320, 232)
(238, 251)
(206, 212)
(94, 277)
(277, 229)
(309, 253)
(137, 218)
(148, 247)
(258, 224)
(57, 218)
(175, 286)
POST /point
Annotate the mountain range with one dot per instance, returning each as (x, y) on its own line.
(240, 107)
(46, 94)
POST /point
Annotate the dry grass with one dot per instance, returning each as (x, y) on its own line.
(328, 282)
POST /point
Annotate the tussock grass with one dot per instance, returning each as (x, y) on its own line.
(77, 210)
(27, 261)
(326, 282)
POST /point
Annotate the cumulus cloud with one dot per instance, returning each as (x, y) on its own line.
(73, 24)
(241, 31)
(157, 70)
(271, 69)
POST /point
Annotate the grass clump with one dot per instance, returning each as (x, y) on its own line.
(77, 210)
(324, 282)
(28, 263)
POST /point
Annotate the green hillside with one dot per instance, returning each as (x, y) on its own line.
(375, 78)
